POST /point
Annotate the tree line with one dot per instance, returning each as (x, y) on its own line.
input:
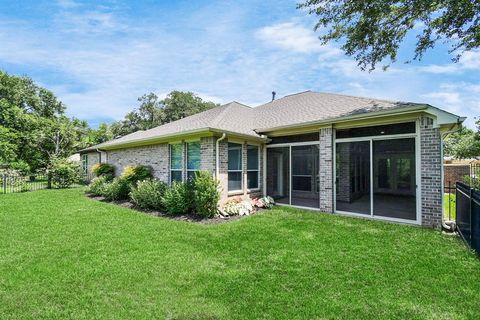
(35, 131)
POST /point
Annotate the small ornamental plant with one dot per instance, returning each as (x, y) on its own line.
(133, 174)
(148, 194)
(104, 170)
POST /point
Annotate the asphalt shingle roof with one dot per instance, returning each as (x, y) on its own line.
(312, 106)
(295, 109)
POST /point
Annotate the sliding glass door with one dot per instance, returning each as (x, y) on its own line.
(353, 177)
(293, 174)
(278, 174)
(377, 177)
(394, 189)
(305, 176)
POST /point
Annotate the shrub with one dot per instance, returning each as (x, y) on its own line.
(472, 182)
(97, 186)
(206, 194)
(148, 194)
(20, 166)
(116, 190)
(177, 199)
(64, 173)
(104, 170)
(133, 174)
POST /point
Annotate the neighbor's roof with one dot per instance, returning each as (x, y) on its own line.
(293, 110)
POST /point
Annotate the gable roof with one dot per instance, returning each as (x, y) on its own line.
(309, 106)
(294, 110)
(232, 117)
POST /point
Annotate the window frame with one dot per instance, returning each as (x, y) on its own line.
(253, 170)
(85, 164)
(170, 180)
(187, 170)
(236, 170)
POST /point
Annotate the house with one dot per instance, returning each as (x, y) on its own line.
(333, 153)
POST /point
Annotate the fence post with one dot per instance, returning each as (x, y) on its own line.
(4, 183)
(49, 180)
(470, 213)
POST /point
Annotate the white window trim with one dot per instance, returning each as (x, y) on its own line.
(85, 164)
(236, 191)
(252, 170)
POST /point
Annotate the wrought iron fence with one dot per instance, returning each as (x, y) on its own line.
(468, 214)
(13, 183)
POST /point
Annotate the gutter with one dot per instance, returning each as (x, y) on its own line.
(217, 155)
(369, 115)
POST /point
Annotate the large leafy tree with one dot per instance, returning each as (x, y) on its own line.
(33, 127)
(372, 30)
(464, 143)
(154, 111)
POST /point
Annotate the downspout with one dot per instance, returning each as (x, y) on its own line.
(451, 226)
(99, 155)
(217, 155)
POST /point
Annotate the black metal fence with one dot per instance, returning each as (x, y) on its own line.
(13, 183)
(468, 214)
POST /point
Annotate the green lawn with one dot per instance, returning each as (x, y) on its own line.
(449, 204)
(65, 256)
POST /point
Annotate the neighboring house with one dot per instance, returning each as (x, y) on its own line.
(335, 153)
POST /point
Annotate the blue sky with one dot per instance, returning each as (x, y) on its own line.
(99, 56)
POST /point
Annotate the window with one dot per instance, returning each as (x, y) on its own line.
(390, 129)
(85, 164)
(175, 162)
(252, 167)
(193, 159)
(234, 167)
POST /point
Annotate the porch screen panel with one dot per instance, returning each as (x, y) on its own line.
(278, 174)
(353, 177)
(305, 176)
(394, 187)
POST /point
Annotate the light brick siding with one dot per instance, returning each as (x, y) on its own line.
(326, 170)
(430, 169)
(207, 154)
(155, 156)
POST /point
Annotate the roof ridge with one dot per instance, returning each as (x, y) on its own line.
(217, 118)
(360, 97)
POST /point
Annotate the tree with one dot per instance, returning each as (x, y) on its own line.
(154, 112)
(463, 144)
(178, 105)
(373, 30)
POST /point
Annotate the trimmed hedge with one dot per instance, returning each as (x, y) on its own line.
(148, 194)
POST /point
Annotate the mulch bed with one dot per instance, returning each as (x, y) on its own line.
(183, 217)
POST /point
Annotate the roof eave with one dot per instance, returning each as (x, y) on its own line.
(171, 137)
(346, 118)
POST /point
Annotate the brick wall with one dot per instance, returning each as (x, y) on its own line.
(431, 179)
(455, 172)
(326, 170)
(155, 156)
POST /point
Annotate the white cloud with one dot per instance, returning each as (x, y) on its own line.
(469, 61)
(295, 37)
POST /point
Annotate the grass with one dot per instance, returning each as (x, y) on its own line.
(449, 205)
(63, 255)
